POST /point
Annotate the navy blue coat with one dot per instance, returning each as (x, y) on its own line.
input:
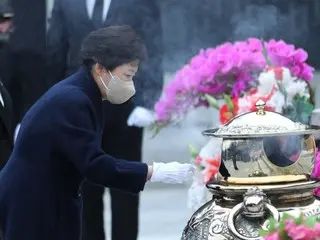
(58, 146)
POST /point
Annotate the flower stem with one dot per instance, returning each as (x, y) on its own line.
(265, 53)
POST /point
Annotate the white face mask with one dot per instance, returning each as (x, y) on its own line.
(117, 90)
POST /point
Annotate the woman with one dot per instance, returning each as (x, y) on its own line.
(59, 144)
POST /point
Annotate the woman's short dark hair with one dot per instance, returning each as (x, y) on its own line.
(112, 47)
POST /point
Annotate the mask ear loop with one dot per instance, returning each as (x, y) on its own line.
(115, 78)
(111, 75)
(103, 83)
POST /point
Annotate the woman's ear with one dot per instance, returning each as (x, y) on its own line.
(98, 68)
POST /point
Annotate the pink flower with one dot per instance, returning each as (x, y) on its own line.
(209, 173)
(316, 192)
(227, 69)
(198, 60)
(316, 170)
(307, 72)
(300, 55)
(273, 236)
(298, 232)
(254, 45)
(316, 230)
(198, 160)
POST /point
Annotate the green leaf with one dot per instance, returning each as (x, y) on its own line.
(308, 108)
(193, 151)
(282, 89)
(212, 101)
(302, 104)
(264, 233)
(286, 216)
(265, 53)
(300, 111)
(299, 220)
(272, 224)
(283, 235)
(155, 129)
(310, 222)
(229, 102)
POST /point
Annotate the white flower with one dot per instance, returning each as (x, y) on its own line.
(277, 101)
(287, 79)
(297, 87)
(266, 82)
(244, 105)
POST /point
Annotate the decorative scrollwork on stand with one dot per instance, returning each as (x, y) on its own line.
(218, 228)
(313, 211)
(246, 218)
(242, 222)
(210, 221)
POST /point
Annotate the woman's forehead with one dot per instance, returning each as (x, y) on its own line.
(134, 63)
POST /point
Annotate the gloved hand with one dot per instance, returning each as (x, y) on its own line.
(141, 117)
(172, 172)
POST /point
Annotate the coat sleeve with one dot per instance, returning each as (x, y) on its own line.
(57, 45)
(76, 138)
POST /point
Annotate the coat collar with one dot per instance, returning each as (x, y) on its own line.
(89, 85)
(91, 89)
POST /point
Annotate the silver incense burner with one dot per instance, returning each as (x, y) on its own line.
(269, 160)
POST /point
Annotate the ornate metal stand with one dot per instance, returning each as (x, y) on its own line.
(269, 159)
(243, 221)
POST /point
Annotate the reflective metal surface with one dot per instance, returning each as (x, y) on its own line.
(269, 156)
(255, 210)
(249, 131)
(281, 195)
(212, 221)
(315, 120)
(259, 124)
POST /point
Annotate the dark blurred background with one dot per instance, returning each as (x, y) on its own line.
(191, 25)
(23, 60)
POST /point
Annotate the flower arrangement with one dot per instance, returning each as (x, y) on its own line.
(292, 228)
(238, 74)
(227, 72)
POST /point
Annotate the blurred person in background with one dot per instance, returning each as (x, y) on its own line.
(25, 78)
(6, 108)
(22, 57)
(71, 21)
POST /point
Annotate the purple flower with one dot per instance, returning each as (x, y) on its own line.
(273, 236)
(298, 232)
(316, 170)
(227, 69)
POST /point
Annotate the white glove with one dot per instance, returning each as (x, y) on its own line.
(141, 117)
(172, 173)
